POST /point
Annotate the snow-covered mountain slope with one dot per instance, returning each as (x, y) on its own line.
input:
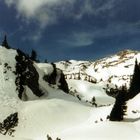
(116, 69)
(47, 108)
(93, 94)
(37, 94)
(110, 72)
(22, 78)
(7, 68)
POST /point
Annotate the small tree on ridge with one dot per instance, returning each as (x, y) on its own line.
(5, 43)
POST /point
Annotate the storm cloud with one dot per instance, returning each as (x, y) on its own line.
(93, 28)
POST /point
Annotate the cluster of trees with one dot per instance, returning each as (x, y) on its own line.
(8, 125)
(26, 75)
(81, 76)
(33, 55)
(124, 94)
(49, 138)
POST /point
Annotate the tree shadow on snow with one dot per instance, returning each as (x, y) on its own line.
(131, 119)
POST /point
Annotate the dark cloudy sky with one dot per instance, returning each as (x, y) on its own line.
(71, 29)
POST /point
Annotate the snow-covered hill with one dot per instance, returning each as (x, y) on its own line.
(110, 72)
(115, 69)
(22, 78)
(34, 99)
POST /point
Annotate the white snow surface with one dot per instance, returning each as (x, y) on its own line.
(116, 69)
(88, 90)
(62, 115)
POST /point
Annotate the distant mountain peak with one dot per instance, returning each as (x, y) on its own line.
(126, 52)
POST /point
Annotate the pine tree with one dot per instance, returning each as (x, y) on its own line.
(5, 43)
(93, 101)
(135, 82)
(49, 138)
(33, 55)
(58, 139)
(119, 108)
(45, 61)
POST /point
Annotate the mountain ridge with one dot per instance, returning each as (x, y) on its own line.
(120, 65)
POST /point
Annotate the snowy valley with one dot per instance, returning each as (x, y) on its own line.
(67, 100)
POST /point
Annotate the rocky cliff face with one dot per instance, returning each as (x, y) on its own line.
(22, 78)
(26, 75)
